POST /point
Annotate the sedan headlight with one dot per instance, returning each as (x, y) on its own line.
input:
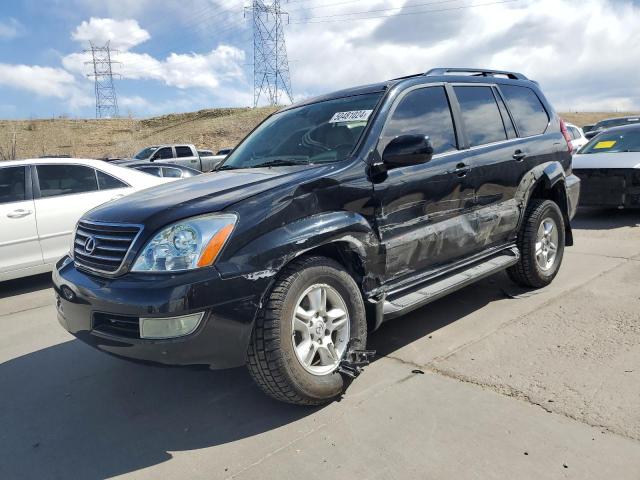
(186, 245)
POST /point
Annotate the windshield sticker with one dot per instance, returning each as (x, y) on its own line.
(603, 145)
(354, 116)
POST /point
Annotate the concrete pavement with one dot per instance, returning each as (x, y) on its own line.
(516, 384)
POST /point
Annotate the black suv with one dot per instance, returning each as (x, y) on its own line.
(331, 217)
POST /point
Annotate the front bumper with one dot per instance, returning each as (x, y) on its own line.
(610, 187)
(96, 306)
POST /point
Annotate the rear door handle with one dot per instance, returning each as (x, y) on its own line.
(20, 213)
(461, 170)
(519, 155)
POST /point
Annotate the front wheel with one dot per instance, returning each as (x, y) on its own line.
(541, 244)
(313, 314)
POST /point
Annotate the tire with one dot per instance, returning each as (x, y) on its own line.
(528, 271)
(271, 357)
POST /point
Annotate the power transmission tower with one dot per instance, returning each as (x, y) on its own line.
(270, 64)
(106, 99)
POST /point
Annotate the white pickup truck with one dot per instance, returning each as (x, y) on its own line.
(181, 154)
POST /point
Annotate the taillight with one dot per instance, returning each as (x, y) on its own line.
(565, 134)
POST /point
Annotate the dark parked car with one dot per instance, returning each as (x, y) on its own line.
(603, 125)
(157, 169)
(609, 168)
(333, 216)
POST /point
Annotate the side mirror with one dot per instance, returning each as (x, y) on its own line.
(407, 150)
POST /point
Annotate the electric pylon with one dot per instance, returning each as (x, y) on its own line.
(106, 99)
(270, 64)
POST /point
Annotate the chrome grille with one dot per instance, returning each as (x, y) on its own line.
(103, 247)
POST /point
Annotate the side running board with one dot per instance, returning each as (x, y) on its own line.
(442, 286)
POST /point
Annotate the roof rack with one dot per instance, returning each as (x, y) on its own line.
(479, 72)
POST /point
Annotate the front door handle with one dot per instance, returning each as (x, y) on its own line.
(519, 155)
(461, 170)
(20, 213)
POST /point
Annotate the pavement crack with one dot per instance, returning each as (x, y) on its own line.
(508, 391)
(14, 312)
(277, 450)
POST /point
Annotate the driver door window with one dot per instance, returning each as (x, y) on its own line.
(424, 111)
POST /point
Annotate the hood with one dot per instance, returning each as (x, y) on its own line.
(207, 193)
(607, 160)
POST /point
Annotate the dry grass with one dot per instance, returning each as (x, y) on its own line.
(591, 118)
(211, 129)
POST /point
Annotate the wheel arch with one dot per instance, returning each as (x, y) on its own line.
(546, 182)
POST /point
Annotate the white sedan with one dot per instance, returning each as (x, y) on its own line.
(578, 140)
(41, 200)
(609, 169)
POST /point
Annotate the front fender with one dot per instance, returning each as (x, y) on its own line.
(264, 256)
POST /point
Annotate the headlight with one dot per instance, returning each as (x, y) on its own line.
(186, 245)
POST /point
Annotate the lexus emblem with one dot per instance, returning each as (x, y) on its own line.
(90, 245)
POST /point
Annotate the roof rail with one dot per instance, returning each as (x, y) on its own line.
(480, 72)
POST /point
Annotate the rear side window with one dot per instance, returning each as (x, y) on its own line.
(150, 170)
(424, 111)
(107, 182)
(66, 179)
(171, 172)
(480, 115)
(528, 112)
(12, 184)
(183, 152)
(573, 133)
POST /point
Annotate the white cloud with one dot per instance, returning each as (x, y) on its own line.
(585, 56)
(10, 28)
(123, 34)
(193, 70)
(45, 82)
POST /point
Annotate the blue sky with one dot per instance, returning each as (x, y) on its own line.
(183, 55)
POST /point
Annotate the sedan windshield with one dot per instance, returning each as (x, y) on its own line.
(614, 142)
(145, 153)
(322, 132)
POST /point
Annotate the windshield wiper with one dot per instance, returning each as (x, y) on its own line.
(281, 163)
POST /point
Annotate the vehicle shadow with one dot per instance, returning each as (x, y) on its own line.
(402, 331)
(605, 219)
(68, 411)
(25, 285)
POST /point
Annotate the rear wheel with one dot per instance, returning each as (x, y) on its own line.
(313, 313)
(541, 244)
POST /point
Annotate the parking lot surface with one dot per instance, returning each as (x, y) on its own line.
(491, 382)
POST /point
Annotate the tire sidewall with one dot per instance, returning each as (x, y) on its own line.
(548, 209)
(329, 385)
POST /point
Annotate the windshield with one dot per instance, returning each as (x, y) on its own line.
(614, 142)
(322, 132)
(145, 153)
(616, 122)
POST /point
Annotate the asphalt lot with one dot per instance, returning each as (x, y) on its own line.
(516, 384)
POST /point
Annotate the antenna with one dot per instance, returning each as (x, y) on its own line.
(106, 99)
(270, 64)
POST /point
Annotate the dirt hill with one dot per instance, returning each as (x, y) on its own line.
(211, 129)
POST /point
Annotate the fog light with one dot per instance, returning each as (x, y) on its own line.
(67, 293)
(169, 327)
